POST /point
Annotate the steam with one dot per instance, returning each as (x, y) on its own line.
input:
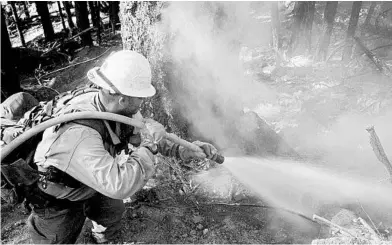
(208, 73)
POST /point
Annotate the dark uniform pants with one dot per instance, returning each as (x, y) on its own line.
(51, 225)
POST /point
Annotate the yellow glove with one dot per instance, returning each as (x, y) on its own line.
(153, 130)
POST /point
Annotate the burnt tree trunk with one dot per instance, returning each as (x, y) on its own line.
(61, 15)
(9, 78)
(113, 14)
(329, 18)
(26, 9)
(95, 17)
(275, 26)
(17, 22)
(352, 26)
(82, 22)
(310, 8)
(370, 13)
(43, 12)
(67, 7)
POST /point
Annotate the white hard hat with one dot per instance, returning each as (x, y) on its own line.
(125, 72)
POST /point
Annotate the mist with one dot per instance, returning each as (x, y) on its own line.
(214, 87)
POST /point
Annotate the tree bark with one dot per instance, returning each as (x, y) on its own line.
(352, 26)
(303, 21)
(276, 43)
(26, 9)
(113, 14)
(61, 15)
(43, 12)
(95, 16)
(82, 22)
(67, 7)
(370, 13)
(9, 78)
(329, 18)
(17, 22)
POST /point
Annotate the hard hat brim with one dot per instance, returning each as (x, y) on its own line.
(98, 80)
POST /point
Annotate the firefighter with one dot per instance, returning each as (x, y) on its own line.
(93, 177)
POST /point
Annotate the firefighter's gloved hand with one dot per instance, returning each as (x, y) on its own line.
(208, 151)
(153, 131)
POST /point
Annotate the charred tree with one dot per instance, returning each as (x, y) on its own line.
(61, 15)
(113, 14)
(275, 26)
(67, 7)
(370, 13)
(82, 22)
(329, 18)
(17, 22)
(26, 9)
(43, 12)
(352, 26)
(9, 78)
(303, 21)
(95, 17)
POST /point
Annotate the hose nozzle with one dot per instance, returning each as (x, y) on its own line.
(218, 158)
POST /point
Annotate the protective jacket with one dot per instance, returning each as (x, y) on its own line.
(89, 151)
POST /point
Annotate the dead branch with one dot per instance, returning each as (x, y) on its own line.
(381, 66)
(64, 68)
(384, 46)
(327, 222)
(363, 209)
(366, 225)
(379, 150)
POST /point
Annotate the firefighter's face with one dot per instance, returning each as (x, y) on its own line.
(130, 105)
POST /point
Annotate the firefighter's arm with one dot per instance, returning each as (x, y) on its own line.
(118, 177)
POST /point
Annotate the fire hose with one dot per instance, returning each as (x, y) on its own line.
(6, 150)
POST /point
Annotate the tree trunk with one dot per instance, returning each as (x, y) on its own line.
(275, 26)
(82, 22)
(43, 12)
(26, 9)
(67, 7)
(113, 14)
(17, 22)
(95, 16)
(9, 78)
(352, 26)
(299, 13)
(329, 18)
(61, 15)
(308, 22)
(370, 13)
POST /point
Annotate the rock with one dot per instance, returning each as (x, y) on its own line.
(185, 235)
(197, 219)
(205, 231)
(199, 226)
(193, 232)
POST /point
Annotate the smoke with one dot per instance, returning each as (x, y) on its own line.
(208, 79)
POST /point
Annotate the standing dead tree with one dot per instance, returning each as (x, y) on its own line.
(379, 150)
(9, 78)
(61, 15)
(82, 22)
(95, 17)
(67, 7)
(352, 26)
(17, 22)
(113, 14)
(329, 18)
(370, 13)
(43, 12)
(303, 21)
(275, 27)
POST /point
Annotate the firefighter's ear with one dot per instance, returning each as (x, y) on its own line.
(122, 101)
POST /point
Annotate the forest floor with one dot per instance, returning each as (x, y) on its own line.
(166, 212)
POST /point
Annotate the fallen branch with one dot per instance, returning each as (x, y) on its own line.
(363, 209)
(383, 68)
(379, 150)
(366, 225)
(384, 46)
(64, 68)
(327, 222)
